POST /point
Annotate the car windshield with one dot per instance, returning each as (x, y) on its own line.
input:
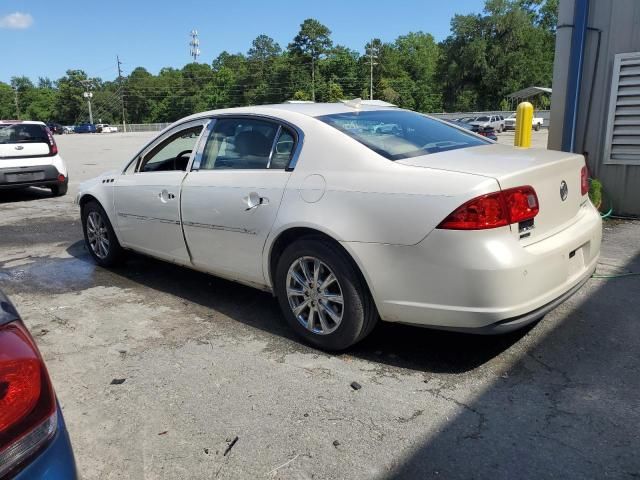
(23, 133)
(482, 119)
(398, 134)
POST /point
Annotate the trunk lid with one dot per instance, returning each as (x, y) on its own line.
(19, 150)
(544, 170)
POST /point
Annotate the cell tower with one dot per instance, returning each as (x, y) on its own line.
(194, 51)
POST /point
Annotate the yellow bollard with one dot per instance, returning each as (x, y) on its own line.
(524, 123)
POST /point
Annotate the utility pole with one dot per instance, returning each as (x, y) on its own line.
(194, 51)
(15, 91)
(89, 96)
(124, 117)
(372, 56)
(313, 78)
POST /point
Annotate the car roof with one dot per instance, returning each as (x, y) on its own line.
(20, 122)
(309, 109)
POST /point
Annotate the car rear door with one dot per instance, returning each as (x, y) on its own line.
(231, 197)
(147, 194)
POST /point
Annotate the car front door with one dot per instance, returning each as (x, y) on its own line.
(231, 197)
(147, 194)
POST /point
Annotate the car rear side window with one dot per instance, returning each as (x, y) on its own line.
(398, 134)
(24, 133)
(242, 144)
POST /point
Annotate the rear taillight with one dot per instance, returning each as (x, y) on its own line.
(53, 148)
(522, 203)
(27, 402)
(494, 210)
(584, 181)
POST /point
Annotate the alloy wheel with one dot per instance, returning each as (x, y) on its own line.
(315, 295)
(98, 235)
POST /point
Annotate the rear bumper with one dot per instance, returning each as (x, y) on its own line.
(20, 177)
(56, 461)
(480, 281)
(511, 324)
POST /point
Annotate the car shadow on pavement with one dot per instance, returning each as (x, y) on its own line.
(24, 194)
(567, 407)
(395, 345)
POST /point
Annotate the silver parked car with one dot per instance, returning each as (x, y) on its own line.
(494, 121)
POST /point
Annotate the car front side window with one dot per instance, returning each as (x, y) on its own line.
(173, 153)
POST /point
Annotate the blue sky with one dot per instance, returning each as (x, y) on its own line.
(47, 38)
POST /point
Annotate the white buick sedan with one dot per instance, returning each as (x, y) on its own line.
(350, 213)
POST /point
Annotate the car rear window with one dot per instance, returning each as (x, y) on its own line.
(24, 133)
(398, 134)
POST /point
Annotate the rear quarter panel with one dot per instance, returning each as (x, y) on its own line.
(342, 188)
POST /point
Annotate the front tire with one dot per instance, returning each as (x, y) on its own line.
(99, 237)
(322, 294)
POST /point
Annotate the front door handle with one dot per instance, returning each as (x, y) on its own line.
(166, 195)
(253, 201)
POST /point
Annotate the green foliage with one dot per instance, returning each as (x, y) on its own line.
(595, 191)
(488, 56)
(508, 46)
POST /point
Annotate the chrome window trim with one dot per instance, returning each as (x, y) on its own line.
(160, 138)
(273, 145)
(299, 134)
(202, 142)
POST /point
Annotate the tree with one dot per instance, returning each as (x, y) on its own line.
(312, 41)
(69, 104)
(509, 47)
(7, 104)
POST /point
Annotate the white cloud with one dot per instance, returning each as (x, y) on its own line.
(16, 21)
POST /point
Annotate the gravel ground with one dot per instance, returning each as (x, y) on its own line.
(205, 362)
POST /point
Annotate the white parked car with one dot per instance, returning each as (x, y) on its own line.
(29, 157)
(353, 214)
(510, 122)
(106, 128)
(485, 121)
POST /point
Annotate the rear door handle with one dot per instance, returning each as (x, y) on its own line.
(253, 201)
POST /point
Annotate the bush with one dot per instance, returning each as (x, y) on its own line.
(595, 191)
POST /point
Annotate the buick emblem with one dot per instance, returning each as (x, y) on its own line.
(564, 190)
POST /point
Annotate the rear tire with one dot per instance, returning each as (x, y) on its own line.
(330, 316)
(99, 237)
(60, 189)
